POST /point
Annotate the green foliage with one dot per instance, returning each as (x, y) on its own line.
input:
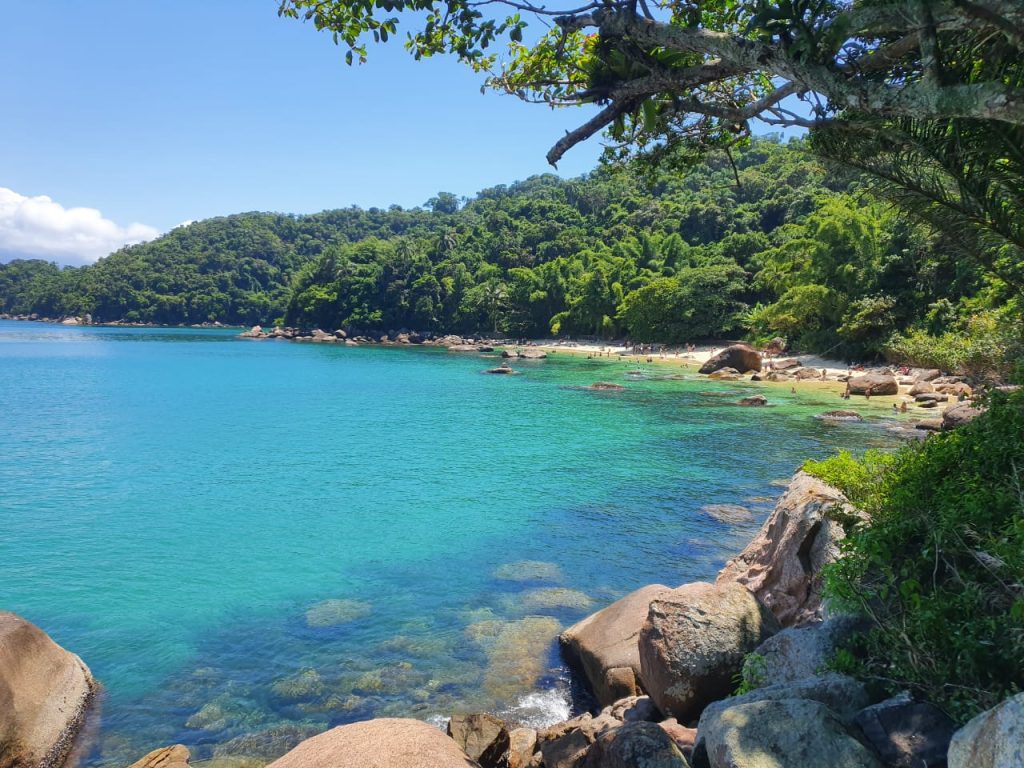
(858, 478)
(987, 346)
(938, 570)
(752, 675)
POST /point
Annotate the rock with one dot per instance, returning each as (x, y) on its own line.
(634, 709)
(921, 388)
(504, 368)
(741, 357)
(529, 570)
(482, 737)
(785, 365)
(331, 613)
(786, 733)
(266, 744)
(693, 643)
(553, 598)
(604, 645)
(956, 389)
(776, 346)
(533, 354)
(958, 415)
(948, 380)
(929, 425)
(381, 743)
(607, 385)
(340, 334)
(516, 652)
(726, 374)
(683, 737)
(44, 694)
(165, 757)
(783, 563)
(877, 383)
(635, 745)
(307, 684)
(755, 400)
(808, 373)
(926, 374)
(509, 353)
(565, 744)
(931, 397)
(843, 695)
(840, 416)
(728, 513)
(993, 739)
(256, 332)
(797, 653)
(522, 745)
(907, 733)
(464, 348)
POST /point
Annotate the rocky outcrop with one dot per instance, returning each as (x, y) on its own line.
(742, 357)
(693, 643)
(994, 739)
(784, 733)
(482, 737)
(783, 564)
(797, 653)
(522, 744)
(166, 757)
(44, 694)
(906, 733)
(874, 384)
(382, 743)
(633, 745)
(604, 645)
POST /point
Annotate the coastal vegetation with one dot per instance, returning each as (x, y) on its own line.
(766, 241)
(938, 571)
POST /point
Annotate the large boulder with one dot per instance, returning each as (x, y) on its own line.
(566, 744)
(785, 733)
(44, 694)
(742, 357)
(635, 745)
(176, 756)
(783, 564)
(604, 645)
(693, 643)
(381, 743)
(994, 739)
(874, 384)
(483, 737)
(842, 695)
(797, 653)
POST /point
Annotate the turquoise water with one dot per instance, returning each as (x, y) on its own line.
(176, 506)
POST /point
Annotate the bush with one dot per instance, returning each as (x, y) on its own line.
(939, 570)
(990, 347)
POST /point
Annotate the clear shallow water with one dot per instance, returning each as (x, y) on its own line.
(177, 505)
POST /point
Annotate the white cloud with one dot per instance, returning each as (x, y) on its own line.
(38, 227)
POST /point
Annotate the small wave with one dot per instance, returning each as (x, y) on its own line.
(541, 709)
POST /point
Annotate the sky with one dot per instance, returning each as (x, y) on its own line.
(121, 119)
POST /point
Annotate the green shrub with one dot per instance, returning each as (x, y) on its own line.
(939, 570)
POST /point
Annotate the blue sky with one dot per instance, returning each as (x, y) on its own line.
(161, 112)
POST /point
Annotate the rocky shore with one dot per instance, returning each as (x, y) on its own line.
(661, 663)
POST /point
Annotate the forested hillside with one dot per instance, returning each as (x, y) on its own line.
(765, 243)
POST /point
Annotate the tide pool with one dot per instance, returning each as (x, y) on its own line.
(251, 541)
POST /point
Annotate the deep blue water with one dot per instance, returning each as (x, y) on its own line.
(176, 506)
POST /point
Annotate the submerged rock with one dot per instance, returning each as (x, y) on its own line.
(516, 653)
(331, 613)
(606, 386)
(528, 570)
(840, 416)
(553, 598)
(266, 744)
(307, 684)
(44, 694)
(755, 400)
(176, 756)
(728, 513)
